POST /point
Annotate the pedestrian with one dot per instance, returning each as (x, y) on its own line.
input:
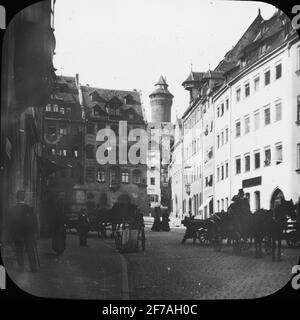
(165, 221)
(83, 227)
(59, 225)
(157, 222)
(22, 232)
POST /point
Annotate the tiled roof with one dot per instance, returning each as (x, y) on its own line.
(128, 99)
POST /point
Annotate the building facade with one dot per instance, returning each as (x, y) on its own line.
(248, 122)
(63, 137)
(28, 77)
(262, 99)
(114, 180)
(160, 132)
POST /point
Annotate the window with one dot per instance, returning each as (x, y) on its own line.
(247, 195)
(62, 110)
(227, 104)
(55, 108)
(48, 107)
(89, 151)
(298, 156)
(218, 112)
(222, 138)
(247, 162)
(257, 200)
(218, 174)
(226, 135)
(125, 177)
(90, 128)
(222, 109)
(298, 108)
(51, 151)
(68, 111)
(64, 152)
(267, 113)
(267, 77)
(74, 153)
(152, 181)
(227, 203)
(238, 94)
(100, 176)
(267, 161)
(237, 165)
(256, 84)
(278, 115)
(278, 72)
(278, 153)
(226, 170)
(218, 141)
(154, 198)
(63, 131)
(256, 120)
(51, 130)
(113, 176)
(218, 205)
(90, 174)
(256, 159)
(247, 124)
(222, 172)
(238, 129)
(247, 89)
(222, 201)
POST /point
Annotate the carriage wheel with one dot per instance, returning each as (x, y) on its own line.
(202, 236)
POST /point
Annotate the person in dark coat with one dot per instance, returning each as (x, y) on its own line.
(157, 222)
(83, 228)
(59, 224)
(22, 231)
(165, 221)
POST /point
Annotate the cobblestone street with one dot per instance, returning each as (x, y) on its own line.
(166, 270)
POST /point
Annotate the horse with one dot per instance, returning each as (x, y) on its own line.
(277, 224)
(271, 224)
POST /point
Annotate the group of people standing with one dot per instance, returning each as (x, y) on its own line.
(161, 221)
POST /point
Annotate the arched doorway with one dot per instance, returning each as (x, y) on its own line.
(124, 199)
(276, 198)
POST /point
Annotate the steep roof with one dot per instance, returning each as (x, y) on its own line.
(161, 87)
(127, 99)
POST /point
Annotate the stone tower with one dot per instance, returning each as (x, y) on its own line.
(161, 102)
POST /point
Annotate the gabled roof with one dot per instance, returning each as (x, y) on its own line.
(111, 95)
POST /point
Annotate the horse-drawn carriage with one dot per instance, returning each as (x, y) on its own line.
(242, 228)
(198, 229)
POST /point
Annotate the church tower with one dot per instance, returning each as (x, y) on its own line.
(161, 102)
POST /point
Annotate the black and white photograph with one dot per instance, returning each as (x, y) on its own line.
(150, 150)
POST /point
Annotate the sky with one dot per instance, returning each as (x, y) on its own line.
(128, 44)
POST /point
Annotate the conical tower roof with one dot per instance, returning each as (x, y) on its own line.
(161, 88)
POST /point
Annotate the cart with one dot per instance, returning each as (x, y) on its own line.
(129, 229)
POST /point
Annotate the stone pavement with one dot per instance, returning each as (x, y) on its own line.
(93, 272)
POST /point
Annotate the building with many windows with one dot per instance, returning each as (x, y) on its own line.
(113, 179)
(249, 112)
